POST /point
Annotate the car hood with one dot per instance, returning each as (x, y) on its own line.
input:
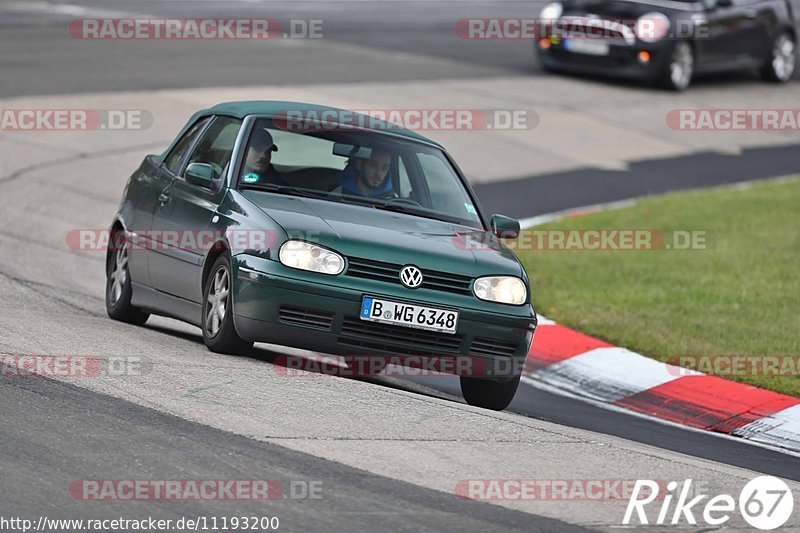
(365, 232)
(627, 10)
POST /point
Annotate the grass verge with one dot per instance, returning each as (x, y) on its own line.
(740, 296)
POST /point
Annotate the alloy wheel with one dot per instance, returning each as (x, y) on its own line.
(783, 57)
(119, 274)
(681, 67)
(217, 303)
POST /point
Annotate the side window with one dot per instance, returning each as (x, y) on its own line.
(216, 145)
(173, 161)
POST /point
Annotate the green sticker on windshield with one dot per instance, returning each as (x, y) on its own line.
(250, 178)
(470, 209)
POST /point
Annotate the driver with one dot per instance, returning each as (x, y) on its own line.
(258, 163)
(368, 177)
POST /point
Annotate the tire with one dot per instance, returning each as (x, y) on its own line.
(494, 395)
(678, 72)
(543, 65)
(118, 284)
(549, 69)
(219, 333)
(781, 62)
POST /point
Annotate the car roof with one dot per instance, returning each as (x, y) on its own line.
(273, 108)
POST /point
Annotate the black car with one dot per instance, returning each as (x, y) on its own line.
(667, 42)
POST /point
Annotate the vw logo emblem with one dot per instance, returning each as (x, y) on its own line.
(411, 277)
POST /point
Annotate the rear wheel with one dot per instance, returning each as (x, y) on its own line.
(118, 284)
(494, 395)
(781, 63)
(219, 333)
(678, 72)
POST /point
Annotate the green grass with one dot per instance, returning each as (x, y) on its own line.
(740, 297)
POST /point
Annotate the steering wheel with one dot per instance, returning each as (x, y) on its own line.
(405, 201)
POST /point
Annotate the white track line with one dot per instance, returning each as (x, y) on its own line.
(611, 407)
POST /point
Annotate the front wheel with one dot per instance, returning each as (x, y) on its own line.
(219, 333)
(678, 72)
(780, 65)
(546, 67)
(494, 395)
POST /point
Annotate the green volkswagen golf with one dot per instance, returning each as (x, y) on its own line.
(317, 228)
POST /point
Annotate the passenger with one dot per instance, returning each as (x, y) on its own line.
(258, 163)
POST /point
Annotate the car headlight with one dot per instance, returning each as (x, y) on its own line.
(652, 27)
(501, 289)
(307, 256)
(551, 11)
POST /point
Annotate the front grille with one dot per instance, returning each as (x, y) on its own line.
(299, 316)
(492, 347)
(384, 337)
(390, 272)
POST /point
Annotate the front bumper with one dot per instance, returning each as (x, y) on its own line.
(280, 305)
(621, 62)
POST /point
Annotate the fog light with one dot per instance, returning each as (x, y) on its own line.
(544, 43)
(644, 57)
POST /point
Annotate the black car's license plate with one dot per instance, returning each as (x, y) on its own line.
(585, 46)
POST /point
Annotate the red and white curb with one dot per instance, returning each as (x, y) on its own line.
(582, 366)
(590, 368)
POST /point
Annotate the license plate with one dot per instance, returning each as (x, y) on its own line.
(585, 46)
(409, 315)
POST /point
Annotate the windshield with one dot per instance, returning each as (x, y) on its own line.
(357, 166)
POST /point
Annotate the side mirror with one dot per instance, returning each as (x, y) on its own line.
(200, 174)
(505, 227)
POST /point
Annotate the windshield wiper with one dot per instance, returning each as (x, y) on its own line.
(357, 200)
(398, 207)
(413, 210)
(286, 189)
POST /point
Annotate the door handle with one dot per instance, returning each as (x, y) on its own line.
(163, 198)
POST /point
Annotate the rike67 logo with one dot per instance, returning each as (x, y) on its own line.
(765, 503)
